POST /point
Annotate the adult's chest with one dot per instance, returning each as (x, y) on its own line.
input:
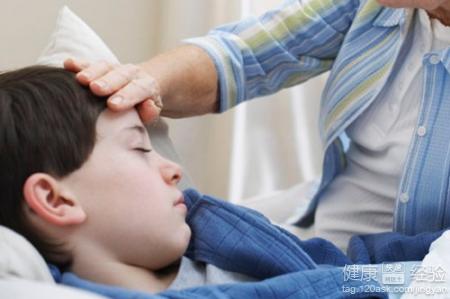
(361, 69)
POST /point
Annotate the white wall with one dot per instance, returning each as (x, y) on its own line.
(126, 26)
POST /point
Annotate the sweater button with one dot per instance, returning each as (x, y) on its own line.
(404, 198)
(434, 59)
(421, 131)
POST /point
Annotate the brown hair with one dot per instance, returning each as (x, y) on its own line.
(47, 124)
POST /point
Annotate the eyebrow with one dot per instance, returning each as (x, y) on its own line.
(138, 128)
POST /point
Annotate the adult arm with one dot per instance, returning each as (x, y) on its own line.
(247, 59)
(184, 77)
(187, 79)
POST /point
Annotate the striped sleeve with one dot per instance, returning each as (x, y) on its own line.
(283, 47)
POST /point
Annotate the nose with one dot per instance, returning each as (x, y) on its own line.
(170, 171)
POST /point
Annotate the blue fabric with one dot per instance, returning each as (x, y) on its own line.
(241, 240)
(390, 247)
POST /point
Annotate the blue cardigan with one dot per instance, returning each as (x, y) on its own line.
(242, 240)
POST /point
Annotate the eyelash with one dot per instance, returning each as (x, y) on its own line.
(145, 150)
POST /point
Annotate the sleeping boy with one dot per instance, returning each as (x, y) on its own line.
(85, 187)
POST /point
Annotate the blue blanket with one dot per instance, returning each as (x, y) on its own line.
(242, 240)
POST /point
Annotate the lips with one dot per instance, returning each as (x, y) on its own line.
(179, 201)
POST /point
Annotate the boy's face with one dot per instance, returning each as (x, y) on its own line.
(130, 196)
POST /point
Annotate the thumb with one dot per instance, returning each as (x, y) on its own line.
(148, 111)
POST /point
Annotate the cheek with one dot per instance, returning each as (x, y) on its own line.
(129, 201)
(125, 205)
(126, 171)
(111, 183)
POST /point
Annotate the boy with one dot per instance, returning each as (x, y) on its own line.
(83, 184)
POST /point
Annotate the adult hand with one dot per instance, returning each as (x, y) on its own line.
(425, 4)
(436, 9)
(127, 86)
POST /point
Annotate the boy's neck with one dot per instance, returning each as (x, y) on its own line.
(101, 269)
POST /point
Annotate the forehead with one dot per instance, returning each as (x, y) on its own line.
(111, 123)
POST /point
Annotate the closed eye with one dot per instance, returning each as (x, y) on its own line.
(141, 149)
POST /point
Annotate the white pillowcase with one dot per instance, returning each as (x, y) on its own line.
(74, 38)
(19, 259)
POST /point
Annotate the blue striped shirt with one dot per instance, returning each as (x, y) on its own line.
(358, 41)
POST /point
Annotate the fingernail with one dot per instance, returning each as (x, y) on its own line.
(116, 100)
(86, 75)
(153, 105)
(158, 102)
(101, 84)
(83, 64)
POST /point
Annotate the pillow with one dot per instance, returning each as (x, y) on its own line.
(25, 289)
(74, 38)
(19, 259)
(71, 38)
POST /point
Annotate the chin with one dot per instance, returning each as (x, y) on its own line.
(182, 241)
(176, 249)
(185, 238)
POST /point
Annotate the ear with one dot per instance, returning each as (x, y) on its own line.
(42, 193)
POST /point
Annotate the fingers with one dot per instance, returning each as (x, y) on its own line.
(75, 65)
(148, 111)
(93, 72)
(135, 91)
(128, 85)
(114, 79)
